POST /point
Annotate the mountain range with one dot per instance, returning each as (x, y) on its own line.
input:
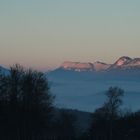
(124, 63)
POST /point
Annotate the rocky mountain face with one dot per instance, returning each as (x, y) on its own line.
(126, 63)
(78, 66)
(122, 61)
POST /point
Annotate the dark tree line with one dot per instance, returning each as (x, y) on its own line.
(27, 112)
(26, 108)
(25, 104)
(111, 123)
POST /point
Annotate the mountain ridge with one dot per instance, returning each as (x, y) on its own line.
(121, 64)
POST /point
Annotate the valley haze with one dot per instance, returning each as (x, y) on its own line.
(82, 86)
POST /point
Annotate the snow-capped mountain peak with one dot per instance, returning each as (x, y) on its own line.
(123, 61)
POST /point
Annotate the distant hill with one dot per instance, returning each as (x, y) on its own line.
(82, 119)
(4, 70)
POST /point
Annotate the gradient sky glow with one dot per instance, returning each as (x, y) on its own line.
(44, 33)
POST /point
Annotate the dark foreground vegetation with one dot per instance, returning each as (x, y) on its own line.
(27, 112)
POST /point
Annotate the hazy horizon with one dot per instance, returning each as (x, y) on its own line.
(42, 34)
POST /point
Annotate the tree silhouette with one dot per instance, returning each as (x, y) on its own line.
(25, 103)
(114, 101)
(104, 117)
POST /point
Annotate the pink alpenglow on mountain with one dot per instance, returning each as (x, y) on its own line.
(77, 66)
(126, 63)
(99, 66)
(122, 63)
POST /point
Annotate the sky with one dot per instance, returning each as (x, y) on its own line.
(43, 33)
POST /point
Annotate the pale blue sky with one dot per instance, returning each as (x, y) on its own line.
(44, 33)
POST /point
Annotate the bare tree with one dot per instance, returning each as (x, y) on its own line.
(112, 105)
(103, 118)
(26, 103)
